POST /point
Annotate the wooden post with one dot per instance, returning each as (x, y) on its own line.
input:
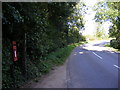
(24, 52)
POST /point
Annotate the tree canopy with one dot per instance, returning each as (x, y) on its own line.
(109, 11)
(39, 28)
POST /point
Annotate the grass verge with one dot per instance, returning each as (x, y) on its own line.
(58, 57)
(111, 48)
(54, 59)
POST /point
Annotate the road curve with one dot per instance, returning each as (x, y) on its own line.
(92, 66)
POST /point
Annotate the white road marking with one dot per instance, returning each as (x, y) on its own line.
(75, 54)
(15, 53)
(97, 55)
(117, 66)
(80, 52)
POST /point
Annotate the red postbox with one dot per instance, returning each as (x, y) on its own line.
(15, 57)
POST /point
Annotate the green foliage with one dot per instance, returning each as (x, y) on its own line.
(114, 30)
(11, 74)
(115, 43)
(47, 30)
(109, 11)
(90, 37)
(100, 32)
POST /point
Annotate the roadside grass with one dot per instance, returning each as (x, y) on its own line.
(111, 48)
(58, 57)
(91, 38)
(52, 60)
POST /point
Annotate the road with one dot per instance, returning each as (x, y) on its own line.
(92, 66)
(89, 66)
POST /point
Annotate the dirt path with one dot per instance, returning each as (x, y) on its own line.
(54, 79)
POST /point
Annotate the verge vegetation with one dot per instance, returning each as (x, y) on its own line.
(112, 48)
(45, 34)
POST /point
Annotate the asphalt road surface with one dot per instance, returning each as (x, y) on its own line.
(93, 66)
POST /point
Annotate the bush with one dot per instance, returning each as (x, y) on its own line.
(115, 43)
(39, 32)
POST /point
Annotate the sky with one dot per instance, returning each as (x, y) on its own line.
(90, 25)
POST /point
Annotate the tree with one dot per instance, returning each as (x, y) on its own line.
(109, 12)
(39, 29)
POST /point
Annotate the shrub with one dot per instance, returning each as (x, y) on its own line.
(115, 43)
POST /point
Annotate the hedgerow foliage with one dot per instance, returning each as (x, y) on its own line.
(44, 27)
